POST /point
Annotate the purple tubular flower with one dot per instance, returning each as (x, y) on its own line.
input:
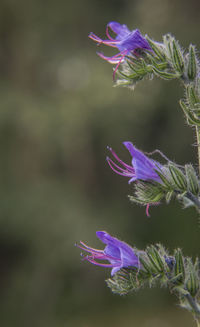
(126, 41)
(142, 167)
(118, 253)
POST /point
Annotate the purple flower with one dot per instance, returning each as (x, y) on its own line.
(126, 41)
(142, 167)
(118, 253)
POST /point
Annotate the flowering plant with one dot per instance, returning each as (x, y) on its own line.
(140, 57)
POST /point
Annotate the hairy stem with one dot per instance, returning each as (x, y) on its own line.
(197, 322)
(194, 305)
(198, 145)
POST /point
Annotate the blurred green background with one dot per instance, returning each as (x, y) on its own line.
(58, 112)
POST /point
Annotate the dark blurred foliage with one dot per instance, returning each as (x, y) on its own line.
(58, 112)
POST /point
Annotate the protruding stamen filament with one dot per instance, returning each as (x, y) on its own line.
(123, 172)
(120, 161)
(111, 43)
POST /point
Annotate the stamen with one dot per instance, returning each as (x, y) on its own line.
(123, 173)
(148, 206)
(127, 172)
(111, 43)
(88, 249)
(112, 60)
(122, 58)
(108, 35)
(97, 254)
(101, 264)
(147, 210)
(120, 161)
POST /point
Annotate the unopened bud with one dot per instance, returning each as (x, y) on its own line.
(192, 63)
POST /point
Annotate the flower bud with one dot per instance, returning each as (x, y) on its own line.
(193, 281)
(192, 63)
(179, 268)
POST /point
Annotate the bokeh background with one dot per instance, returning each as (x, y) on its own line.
(58, 112)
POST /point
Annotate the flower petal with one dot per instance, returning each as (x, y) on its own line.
(121, 30)
(144, 167)
(134, 41)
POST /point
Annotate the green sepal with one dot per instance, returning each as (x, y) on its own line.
(158, 50)
(192, 180)
(191, 119)
(177, 57)
(178, 177)
(192, 97)
(174, 54)
(192, 63)
(167, 40)
(149, 192)
(175, 280)
(166, 75)
(127, 280)
(134, 199)
(193, 282)
(166, 178)
(155, 258)
(146, 264)
(179, 268)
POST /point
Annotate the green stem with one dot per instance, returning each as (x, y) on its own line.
(194, 305)
(197, 322)
(195, 308)
(198, 145)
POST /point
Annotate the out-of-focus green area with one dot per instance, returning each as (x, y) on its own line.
(58, 112)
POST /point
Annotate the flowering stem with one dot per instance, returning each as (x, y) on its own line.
(198, 145)
(195, 307)
(193, 304)
(198, 322)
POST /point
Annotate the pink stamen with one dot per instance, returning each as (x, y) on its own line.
(111, 60)
(111, 43)
(147, 210)
(148, 206)
(97, 254)
(120, 161)
(88, 249)
(108, 35)
(124, 172)
(116, 68)
(100, 264)
(117, 56)
(114, 164)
